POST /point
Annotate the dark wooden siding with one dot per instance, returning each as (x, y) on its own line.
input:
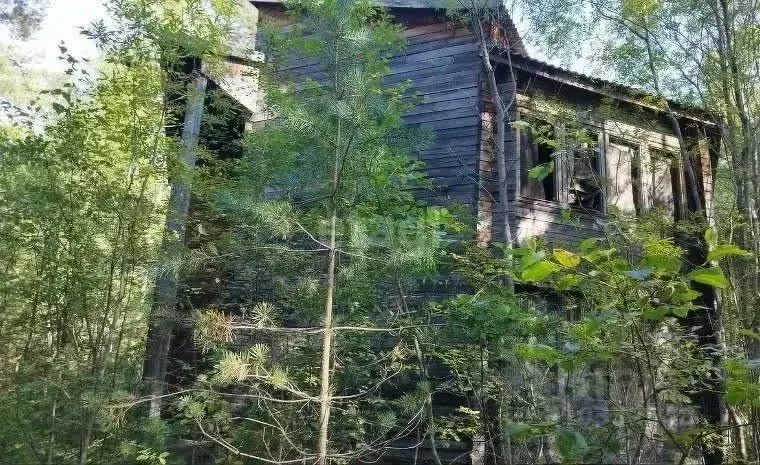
(544, 218)
(443, 66)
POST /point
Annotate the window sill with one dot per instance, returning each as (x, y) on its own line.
(554, 207)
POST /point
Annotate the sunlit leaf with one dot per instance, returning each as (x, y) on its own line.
(520, 124)
(568, 281)
(539, 271)
(711, 276)
(542, 171)
(538, 353)
(587, 244)
(566, 259)
(711, 237)
(726, 250)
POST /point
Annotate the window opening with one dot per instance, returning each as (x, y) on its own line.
(585, 186)
(538, 146)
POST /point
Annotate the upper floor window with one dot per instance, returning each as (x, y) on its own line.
(560, 163)
(538, 149)
(593, 166)
(583, 170)
(662, 179)
(624, 175)
(640, 176)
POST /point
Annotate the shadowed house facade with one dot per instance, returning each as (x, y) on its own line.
(629, 160)
(578, 149)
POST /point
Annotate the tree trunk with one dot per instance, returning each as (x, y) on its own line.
(491, 412)
(498, 137)
(707, 321)
(325, 395)
(161, 318)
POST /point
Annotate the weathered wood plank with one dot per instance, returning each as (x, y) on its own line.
(434, 54)
(444, 106)
(429, 117)
(459, 63)
(443, 68)
(449, 94)
(457, 77)
(447, 40)
(414, 65)
(454, 123)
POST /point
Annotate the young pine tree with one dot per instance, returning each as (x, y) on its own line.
(323, 222)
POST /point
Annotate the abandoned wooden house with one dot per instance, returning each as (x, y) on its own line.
(633, 163)
(628, 161)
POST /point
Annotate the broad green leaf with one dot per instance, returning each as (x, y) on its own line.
(531, 243)
(681, 311)
(571, 444)
(539, 271)
(568, 281)
(538, 353)
(587, 244)
(711, 237)
(566, 259)
(711, 276)
(599, 255)
(656, 314)
(540, 172)
(726, 250)
(529, 259)
(687, 295)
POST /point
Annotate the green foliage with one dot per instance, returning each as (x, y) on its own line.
(572, 445)
(609, 313)
(334, 157)
(82, 208)
(711, 276)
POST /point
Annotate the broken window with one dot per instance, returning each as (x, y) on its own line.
(639, 177)
(660, 174)
(560, 165)
(624, 176)
(538, 144)
(584, 171)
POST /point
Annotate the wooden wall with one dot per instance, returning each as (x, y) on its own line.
(444, 68)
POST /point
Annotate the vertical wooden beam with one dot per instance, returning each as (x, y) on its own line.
(707, 178)
(162, 313)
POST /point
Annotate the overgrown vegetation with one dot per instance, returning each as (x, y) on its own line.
(173, 291)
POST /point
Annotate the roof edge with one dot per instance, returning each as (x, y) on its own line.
(603, 87)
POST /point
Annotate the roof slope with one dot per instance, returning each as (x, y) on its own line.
(601, 86)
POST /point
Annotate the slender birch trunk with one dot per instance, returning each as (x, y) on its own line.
(498, 136)
(492, 438)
